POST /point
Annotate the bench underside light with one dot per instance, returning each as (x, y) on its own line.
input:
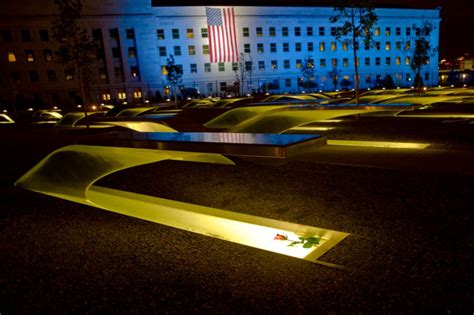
(70, 173)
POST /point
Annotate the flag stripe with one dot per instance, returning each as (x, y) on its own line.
(222, 35)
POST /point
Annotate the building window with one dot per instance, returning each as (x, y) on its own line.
(221, 66)
(408, 31)
(132, 52)
(25, 36)
(284, 31)
(377, 31)
(175, 33)
(106, 96)
(116, 52)
(48, 55)
(130, 33)
(334, 62)
(260, 48)
(204, 32)
(163, 70)
(247, 48)
(345, 62)
(137, 94)
(407, 61)
(345, 45)
(297, 47)
(207, 67)
(7, 36)
(367, 78)
(322, 62)
(177, 50)
(377, 45)
(246, 32)
(223, 86)
(408, 45)
(16, 77)
(191, 50)
(387, 61)
(310, 46)
(160, 34)
(398, 46)
(387, 46)
(367, 61)
(333, 31)
(286, 64)
(333, 46)
(51, 75)
(134, 72)
(297, 31)
(205, 49)
(274, 64)
(298, 63)
(121, 95)
(162, 50)
(272, 31)
(193, 68)
(44, 35)
(189, 33)
(29, 56)
(398, 31)
(322, 46)
(286, 47)
(118, 73)
(113, 33)
(398, 61)
(69, 74)
(235, 66)
(309, 31)
(377, 61)
(11, 56)
(248, 65)
(427, 76)
(102, 74)
(261, 65)
(287, 83)
(33, 74)
(387, 31)
(321, 31)
(259, 31)
(408, 77)
(273, 47)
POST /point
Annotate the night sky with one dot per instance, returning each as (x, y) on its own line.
(457, 24)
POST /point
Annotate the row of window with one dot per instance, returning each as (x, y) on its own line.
(298, 47)
(44, 36)
(283, 32)
(33, 75)
(48, 54)
(274, 64)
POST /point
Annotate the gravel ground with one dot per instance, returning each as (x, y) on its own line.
(411, 247)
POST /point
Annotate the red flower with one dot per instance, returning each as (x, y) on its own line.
(280, 237)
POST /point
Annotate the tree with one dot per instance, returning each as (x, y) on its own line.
(174, 74)
(76, 48)
(345, 83)
(307, 73)
(388, 82)
(422, 51)
(357, 18)
(334, 76)
(244, 70)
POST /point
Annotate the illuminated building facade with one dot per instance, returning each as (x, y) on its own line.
(136, 38)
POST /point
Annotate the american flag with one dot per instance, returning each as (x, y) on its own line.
(222, 35)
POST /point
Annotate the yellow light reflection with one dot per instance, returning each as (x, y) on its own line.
(380, 144)
(312, 128)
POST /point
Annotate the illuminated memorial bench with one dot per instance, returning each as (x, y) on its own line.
(71, 172)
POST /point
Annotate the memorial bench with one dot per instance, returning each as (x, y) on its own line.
(71, 173)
